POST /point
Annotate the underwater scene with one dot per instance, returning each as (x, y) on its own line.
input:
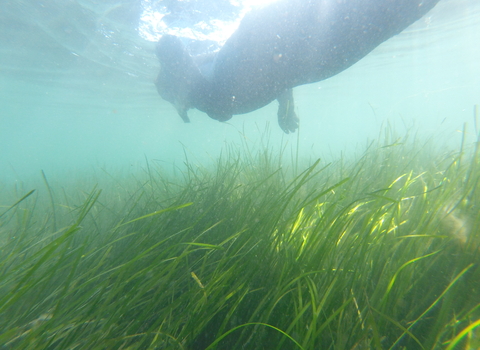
(236, 174)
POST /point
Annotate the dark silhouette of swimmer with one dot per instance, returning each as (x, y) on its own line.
(275, 48)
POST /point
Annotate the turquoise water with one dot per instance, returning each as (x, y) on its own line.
(77, 93)
(101, 247)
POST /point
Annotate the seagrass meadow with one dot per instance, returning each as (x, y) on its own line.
(377, 251)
